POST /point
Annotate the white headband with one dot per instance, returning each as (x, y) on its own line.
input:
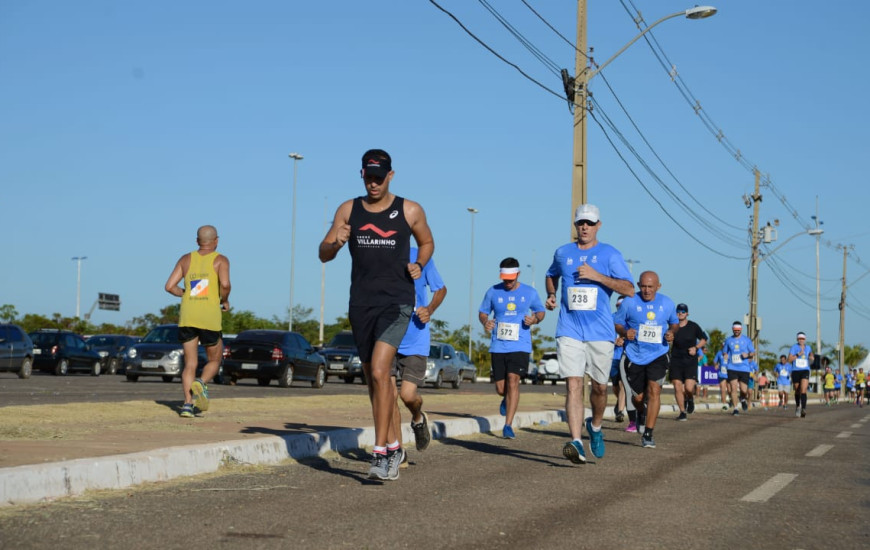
(509, 270)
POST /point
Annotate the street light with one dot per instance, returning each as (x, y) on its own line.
(296, 157)
(631, 265)
(818, 234)
(472, 211)
(578, 90)
(78, 260)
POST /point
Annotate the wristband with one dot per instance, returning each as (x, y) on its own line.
(419, 264)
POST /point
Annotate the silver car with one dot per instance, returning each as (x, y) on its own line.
(442, 366)
(158, 354)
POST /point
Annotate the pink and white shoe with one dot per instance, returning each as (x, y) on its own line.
(632, 427)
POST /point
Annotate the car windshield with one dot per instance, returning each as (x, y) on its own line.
(435, 352)
(43, 339)
(162, 335)
(342, 340)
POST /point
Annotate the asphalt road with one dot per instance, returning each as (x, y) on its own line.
(760, 480)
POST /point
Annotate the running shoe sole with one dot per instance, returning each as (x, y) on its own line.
(200, 395)
(573, 454)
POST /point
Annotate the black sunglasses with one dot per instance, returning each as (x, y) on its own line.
(585, 222)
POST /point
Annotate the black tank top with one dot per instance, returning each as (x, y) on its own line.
(380, 247)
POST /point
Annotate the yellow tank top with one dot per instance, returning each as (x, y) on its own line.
(829, 381)
(859, 378)
(201, 303)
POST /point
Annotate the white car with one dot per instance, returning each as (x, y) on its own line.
(548, 368)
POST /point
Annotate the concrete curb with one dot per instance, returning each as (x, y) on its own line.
(45, 482)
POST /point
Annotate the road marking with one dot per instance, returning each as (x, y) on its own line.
(844, 435)
(853, 426)
(769, 488)
(820, 450)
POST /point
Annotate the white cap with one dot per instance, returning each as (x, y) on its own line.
(587, 212)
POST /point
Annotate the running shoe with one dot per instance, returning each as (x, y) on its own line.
(797, 412)
(735, 412)
(632, 427)
(186, 411)
(508, 432)
(422, 436)
(620, 417)
(394, 460)
(647, 442)
(682, 417)
(803, 413)
(596, 439)
(724, 407)
(744, 405)
(200, 394)
(404, 463)
(690, 406)
(502, 409)
(380, 468)
(573, 451)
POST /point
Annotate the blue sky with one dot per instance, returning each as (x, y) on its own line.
(125, 126)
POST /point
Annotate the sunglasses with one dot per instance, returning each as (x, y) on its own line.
(681, 311)
(587, 223)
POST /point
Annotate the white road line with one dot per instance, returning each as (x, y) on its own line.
(820, 450)
(854, 426)
(844, 435)
(769, 488)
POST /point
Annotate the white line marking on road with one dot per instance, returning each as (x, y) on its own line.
(844, 435)
(769, 488)
(820, 450)
(854, 426)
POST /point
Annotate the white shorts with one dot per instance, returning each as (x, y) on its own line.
(578, 358)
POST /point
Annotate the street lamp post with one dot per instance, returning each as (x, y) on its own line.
(818, 233)
(578, 91)
(78, 260)
(472, 211)
(631, 265)
(296, 157)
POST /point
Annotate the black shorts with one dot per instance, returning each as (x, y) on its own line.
(412, 367)
(739, 375)
(372, 324)
(504, 363)
(798, 375)
(684, 372)
(639, 375)
(207, 338)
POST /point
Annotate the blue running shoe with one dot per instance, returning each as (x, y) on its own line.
(596, 439)
(186, 411)
(508, 432)
(573, 451)
(502, 409)
(200, 394)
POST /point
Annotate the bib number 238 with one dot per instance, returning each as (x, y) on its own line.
(582, 298)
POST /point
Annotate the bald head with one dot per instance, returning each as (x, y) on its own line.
(206, 235)
(648, 284)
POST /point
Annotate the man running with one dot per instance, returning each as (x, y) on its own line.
(515, 307)
(378, 228)
(783, 380)
(737, 353)
(590, 272)
(860, 385)
(414, 351)
(204, 295)
(688, 340)
(648, 322)
(722, 374)
(801, 357)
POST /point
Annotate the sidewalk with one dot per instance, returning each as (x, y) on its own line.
(140, 442)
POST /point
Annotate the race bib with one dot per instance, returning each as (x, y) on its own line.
(650, 334)
(801, 363)
(582, 298)
(736, 359)
(508, 331)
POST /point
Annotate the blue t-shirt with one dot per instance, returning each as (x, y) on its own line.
(651, 320)
(508, 308)
(416, 340)
(802, 357)
(585, 313)
(734, 348)
(783, 374)
(722, 368)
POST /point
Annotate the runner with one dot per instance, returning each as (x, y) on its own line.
(684, 361)
(783, 380)
(801, 357)
(515, 308)
(648, 322)
(590, 271)
(737, 351)
(829, 387)
(378, 229)
(860, 385)
(722, 373)
(616, 379)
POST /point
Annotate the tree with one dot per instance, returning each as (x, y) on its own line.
(8, 313)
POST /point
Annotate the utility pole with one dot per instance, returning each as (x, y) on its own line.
(842, 306)
(580, 84)
(752, 330)
(818, 233)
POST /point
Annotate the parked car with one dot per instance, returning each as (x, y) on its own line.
(16, 350)
(442, 366)
(111, 348)
(158, 354)
(530, 373)
(274, 355)
(342, 359)
(61, 352)
(548, 368)
(467, 369)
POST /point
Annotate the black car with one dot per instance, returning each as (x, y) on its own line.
(16, 350)
(342, 359)
(111, 348)
(61, 352)
(273, 355)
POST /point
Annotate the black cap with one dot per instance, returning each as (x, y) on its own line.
(683, 307)
(377, 163)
